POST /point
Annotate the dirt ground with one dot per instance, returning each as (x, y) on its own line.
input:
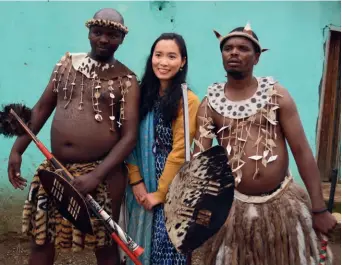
(14, 250)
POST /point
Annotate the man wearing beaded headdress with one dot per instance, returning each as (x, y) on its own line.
(93, 131)
(272, 220)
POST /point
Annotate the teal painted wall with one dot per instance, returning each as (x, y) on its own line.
(34, 35)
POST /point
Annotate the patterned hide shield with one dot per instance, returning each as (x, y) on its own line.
(199, 199)
(69, 202)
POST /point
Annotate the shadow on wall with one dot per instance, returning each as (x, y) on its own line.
(11, 205)
(11, 199)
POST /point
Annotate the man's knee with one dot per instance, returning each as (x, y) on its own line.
(42, 254)
(46, 248)
(108, 256)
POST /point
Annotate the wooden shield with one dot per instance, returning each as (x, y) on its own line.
(199, 199)
(69, 202)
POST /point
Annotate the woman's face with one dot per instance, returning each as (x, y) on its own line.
(167, 60)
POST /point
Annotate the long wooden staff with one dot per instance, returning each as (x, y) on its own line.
(132, 249)
(323, 255)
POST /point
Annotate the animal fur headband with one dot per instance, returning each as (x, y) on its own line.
(107, 23)
(247, 33)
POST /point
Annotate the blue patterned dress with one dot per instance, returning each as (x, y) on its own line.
(163, 252)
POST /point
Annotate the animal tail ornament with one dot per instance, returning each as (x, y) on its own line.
(9, 126)
(12, 125)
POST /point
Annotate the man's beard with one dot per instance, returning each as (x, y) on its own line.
(236, 74)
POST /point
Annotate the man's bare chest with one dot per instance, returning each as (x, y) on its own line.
(83, 89)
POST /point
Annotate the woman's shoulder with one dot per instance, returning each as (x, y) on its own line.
(193, 103)
(192, 97)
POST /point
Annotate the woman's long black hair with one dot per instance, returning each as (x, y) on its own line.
(150, 84)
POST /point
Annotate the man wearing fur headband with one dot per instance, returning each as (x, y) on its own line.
(272, 220)
(93, 130)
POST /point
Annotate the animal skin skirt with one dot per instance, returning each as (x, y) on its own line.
(44, 223)
(264, 230)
